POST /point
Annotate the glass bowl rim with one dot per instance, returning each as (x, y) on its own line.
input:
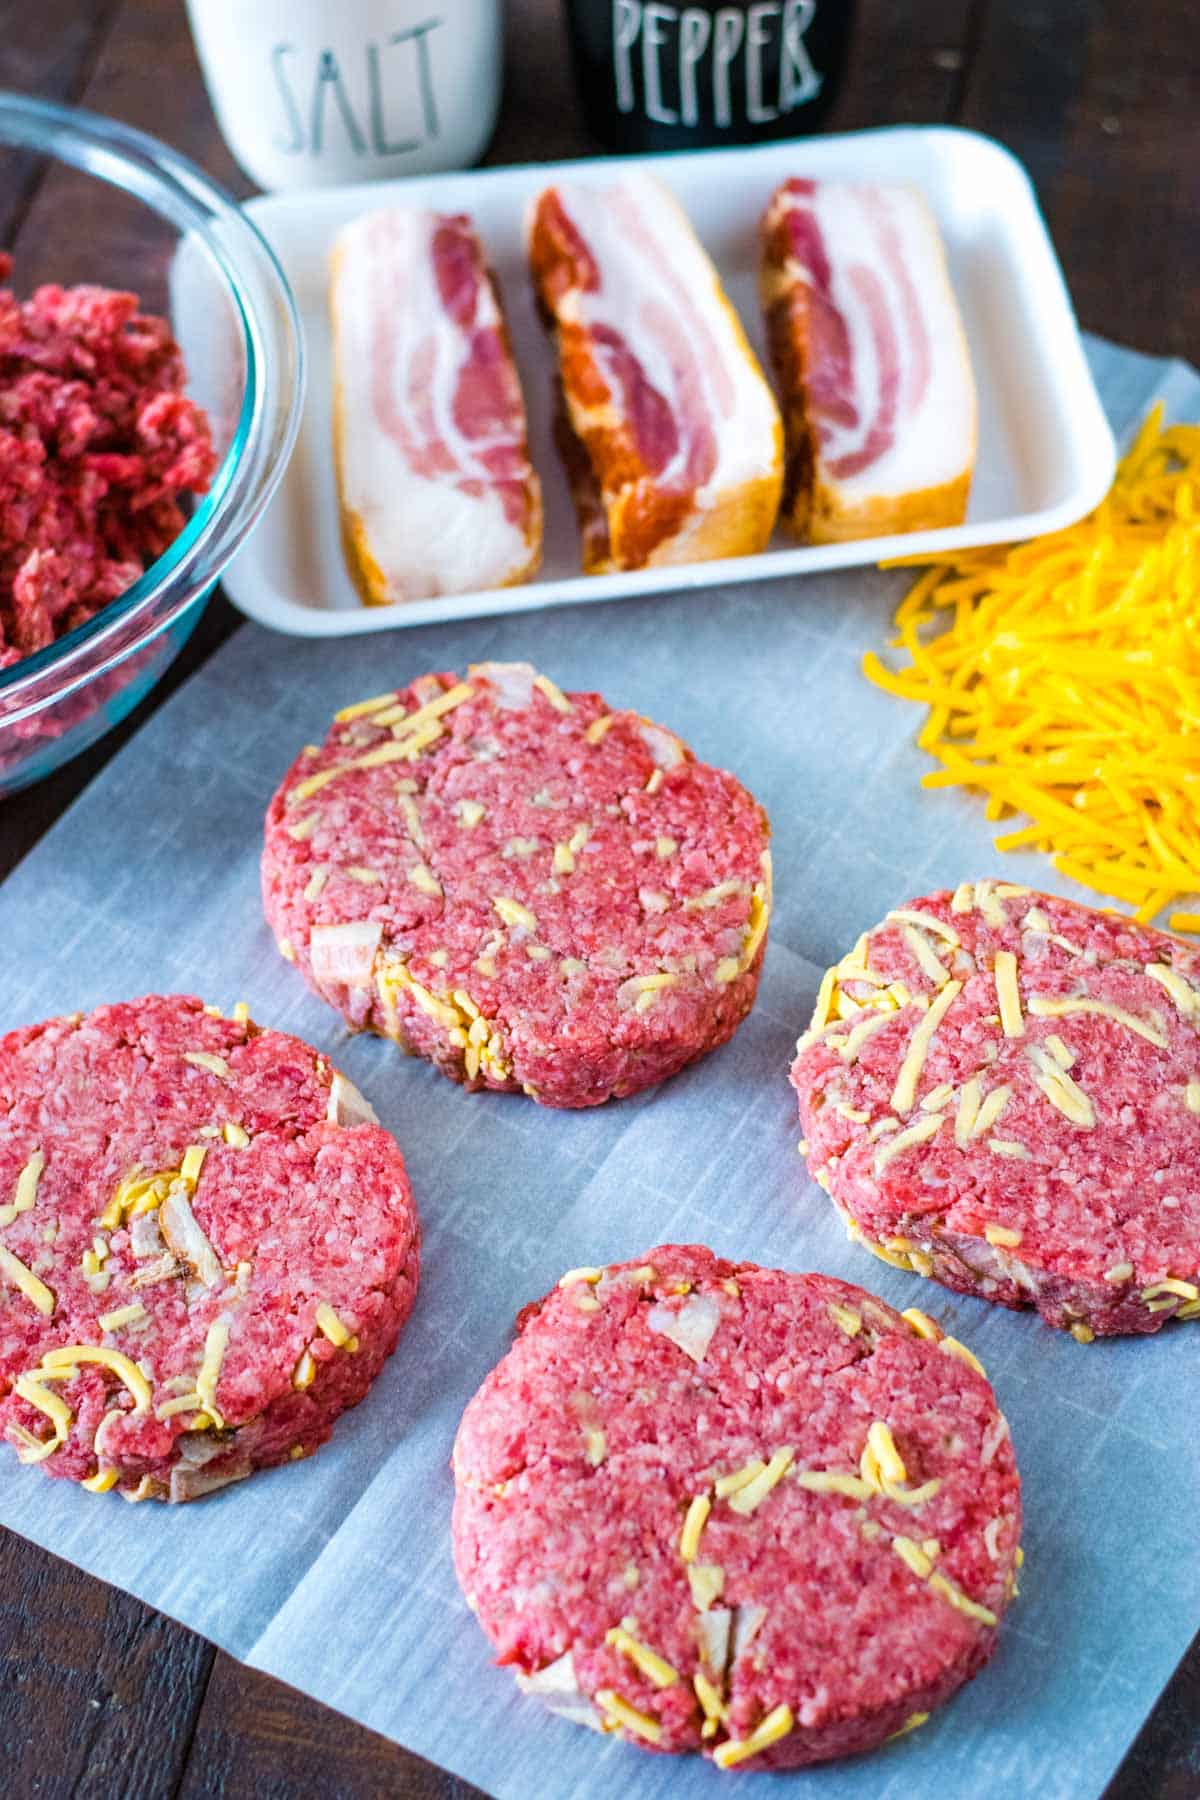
(174, 187)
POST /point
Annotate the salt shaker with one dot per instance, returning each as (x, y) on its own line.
(316, 92)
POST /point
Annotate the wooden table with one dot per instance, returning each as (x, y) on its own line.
(100, 1696)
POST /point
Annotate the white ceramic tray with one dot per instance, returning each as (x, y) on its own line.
(1046, 454)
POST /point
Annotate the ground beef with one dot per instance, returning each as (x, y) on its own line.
(535, 892)
(208, 1247)
(98, 445)
(1001, 1089)
(730, 1509)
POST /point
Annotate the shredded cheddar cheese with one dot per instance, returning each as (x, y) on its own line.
(102, 1482)
(707, 1582)
(121, 1316)
(620, 1715)
(740, 1478)
(913, 1556)
(952, 1347)
(13, 1270)
(32, 1449)
(25, 1191)
(714, 1709)
(919, 1133)
(208, 1060)
(913, 1723)
(1008, 994)
(1187, 1290)
(513, 913)
(590, 1275)
(1066, 683)
(697, 1516)
(941, 1584)
(990, 1110)
(553, 693)
(361, 708)
(916, 1496)
(1043, 1008)
(183, 1403)
(835, 1481)
(925, 956)
(653, 1666)
(216, 1343)
(61, 1363)
(332, 1327)
(1185, 996)
(752, 1493)
(888, 1458)
(905, 1092)
(777, 1724)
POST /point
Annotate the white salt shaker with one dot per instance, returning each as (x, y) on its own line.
(314, 92)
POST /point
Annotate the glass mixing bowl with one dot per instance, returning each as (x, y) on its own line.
(117, 208)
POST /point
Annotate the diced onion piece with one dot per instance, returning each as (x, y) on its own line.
(746, 1625)
(347, 1106)
(556, 1678)
(663, 745)
(716, 1632)
(345, 953)
(186, 1239)
(189, 1483)
(690, 1326)
(145, 1236)
(511, 683)
(557, 1687)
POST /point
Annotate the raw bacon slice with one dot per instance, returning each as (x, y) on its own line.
(677, 452)
(438, 495)
(871, 362)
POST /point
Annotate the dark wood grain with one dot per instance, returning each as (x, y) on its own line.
(100, 1696)
(1102, 102)
(1164, 1763)
(144, 73)
(100, 1693)
(258, 1737)
(47, 51)
(69, 1725)
(906, 64)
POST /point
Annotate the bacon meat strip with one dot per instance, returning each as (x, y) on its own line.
(670, 437)
(438, 495)
(870, 359)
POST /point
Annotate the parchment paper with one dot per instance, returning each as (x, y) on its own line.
(335, 1574)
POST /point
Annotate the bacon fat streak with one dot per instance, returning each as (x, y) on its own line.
(438, 495)
(671, 440)
(870, 360)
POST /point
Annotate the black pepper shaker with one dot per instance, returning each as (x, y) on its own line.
(658, 77)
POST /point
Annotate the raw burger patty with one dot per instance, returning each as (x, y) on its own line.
(722, 1508)
(527, 888)
(1002, 1090)
(207, 1247)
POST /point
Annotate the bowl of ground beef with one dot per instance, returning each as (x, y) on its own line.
(151, 378)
